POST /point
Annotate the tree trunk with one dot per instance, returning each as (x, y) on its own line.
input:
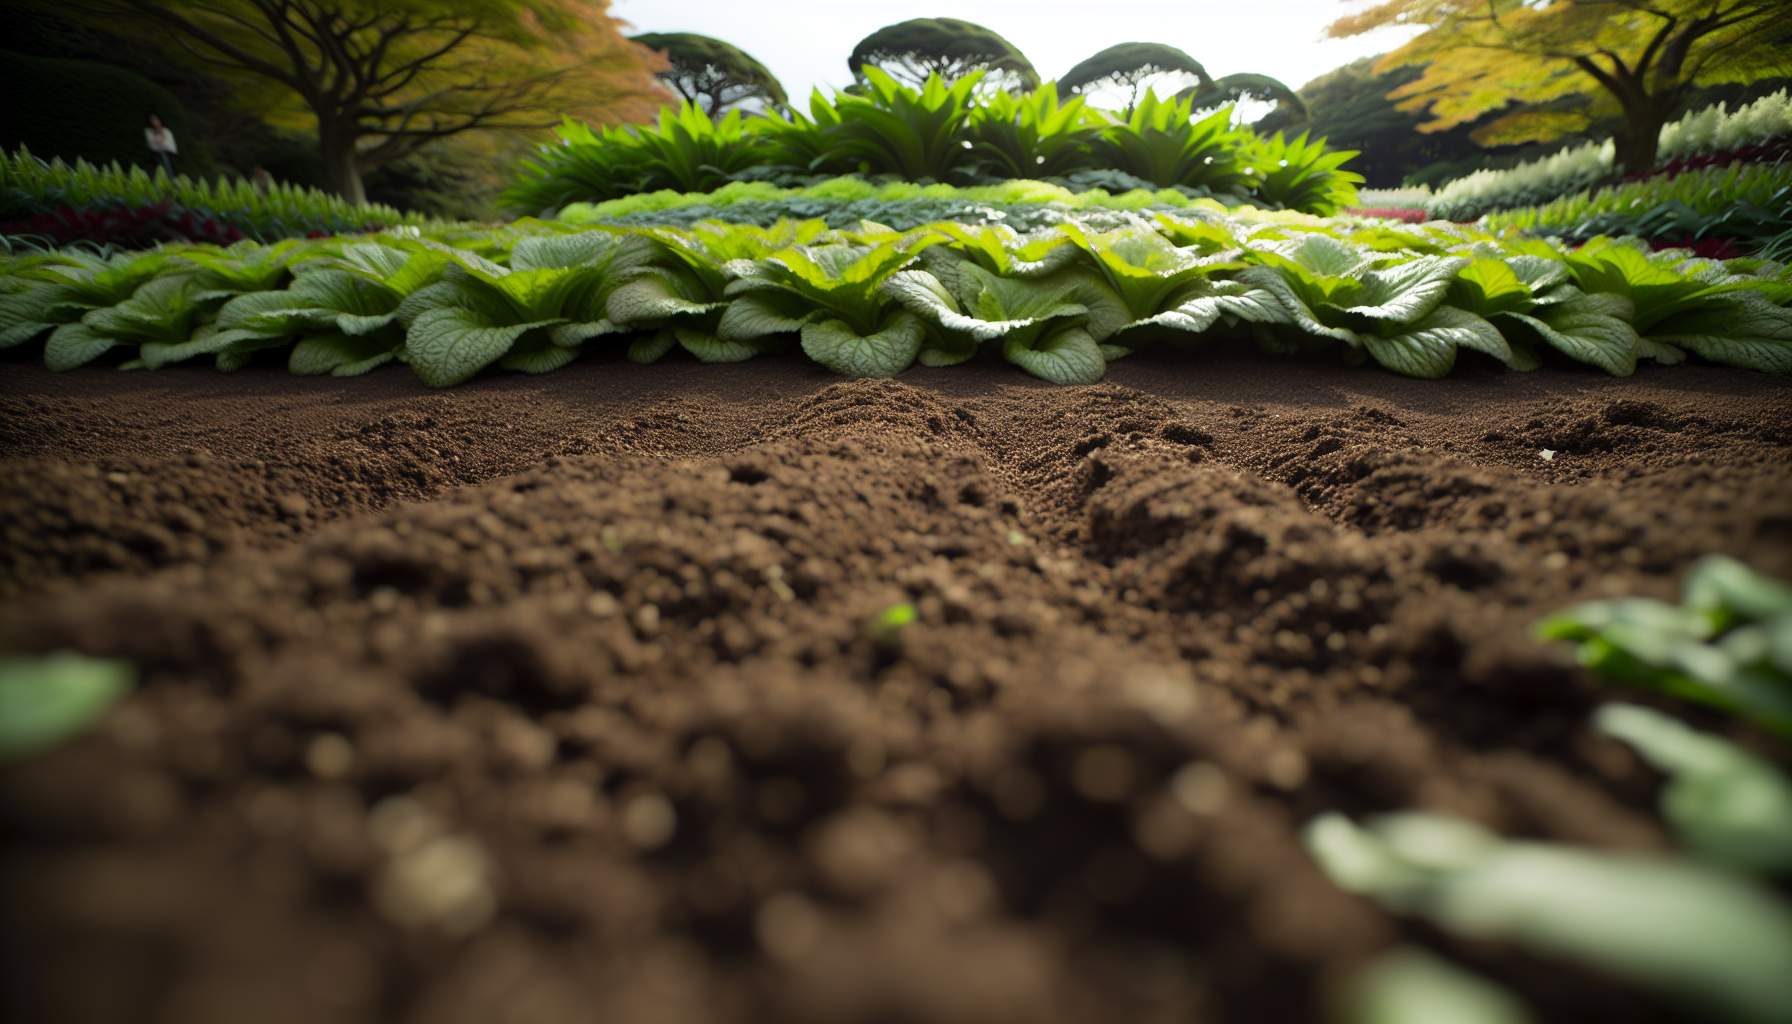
(1638, 140)
(341, 163)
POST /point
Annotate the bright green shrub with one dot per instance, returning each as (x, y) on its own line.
(940, 133)
(914, 133)
(685, 151)
(1301, 174)
(1161, 143)
(1032, 135)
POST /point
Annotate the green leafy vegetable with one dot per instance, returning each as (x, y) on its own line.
(1702, 934)
(1059, 301)
(1725, 803)
(1410, 986)
(1728, 644)
(45, 700)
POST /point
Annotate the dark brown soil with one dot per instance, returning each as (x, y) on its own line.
(562, 699)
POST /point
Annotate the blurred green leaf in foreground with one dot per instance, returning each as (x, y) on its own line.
(45, 700)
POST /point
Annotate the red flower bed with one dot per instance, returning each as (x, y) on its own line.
(1775, 149)
(1409, 214)
(133, 227)
(1710, 248)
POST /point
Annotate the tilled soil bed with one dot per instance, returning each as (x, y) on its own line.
(564, 699)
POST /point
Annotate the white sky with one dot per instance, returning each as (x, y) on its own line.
(805, 42)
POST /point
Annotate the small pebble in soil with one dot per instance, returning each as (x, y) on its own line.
(648, 821)
(1200, 787)
(787, 926)
(1103, 773)
(444, 883)
(1287, 769)
(330, 756)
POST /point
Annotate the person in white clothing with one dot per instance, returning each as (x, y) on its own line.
(161, 143)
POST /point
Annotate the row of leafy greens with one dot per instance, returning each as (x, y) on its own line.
(1060, 303)
(128, 206)
(950, 132)
(1746, 202)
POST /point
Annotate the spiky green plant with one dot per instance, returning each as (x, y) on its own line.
(1301, 174)
(1161, 142)
(916, 133)
(1032, 135)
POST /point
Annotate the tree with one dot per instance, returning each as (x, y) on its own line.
(912, 50)
(381, 79)
(1640, 56)
(711, 73)
(1135, 67)
(1350, 107)
(1290, 109)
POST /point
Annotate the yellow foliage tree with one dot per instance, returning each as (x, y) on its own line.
(379, 79)
(1640, 56)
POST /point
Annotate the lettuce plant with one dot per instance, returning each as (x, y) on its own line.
(1728, 805)
(343, 308)
(162, 318)
(679, 291)
(1136, 279)
(1724, 317)
(245, 267)
(1529, 299)
(531, 316)
(54, 295)
(1000, 249)
(1041, 327)
(1396, 313)
(1731, 940)
(834, 295)
(47, 699)
(528, 295)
